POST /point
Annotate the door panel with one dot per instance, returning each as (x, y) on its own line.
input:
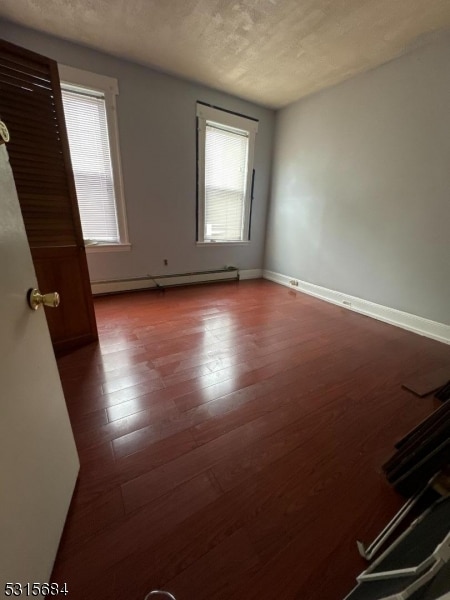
(38, 459)
(62, 270)
(31, 105)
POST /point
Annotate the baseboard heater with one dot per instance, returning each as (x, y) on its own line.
(148, 282)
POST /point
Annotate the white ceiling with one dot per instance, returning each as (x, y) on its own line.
(269, 51)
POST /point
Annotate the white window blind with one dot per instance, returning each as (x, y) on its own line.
(225, 152)
(226, 164)
(87, 130)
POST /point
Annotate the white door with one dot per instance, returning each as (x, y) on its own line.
(38, 459)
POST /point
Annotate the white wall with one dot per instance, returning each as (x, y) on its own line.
(157, 128)
(361, 186)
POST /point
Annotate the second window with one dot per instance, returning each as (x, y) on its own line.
(226, 144)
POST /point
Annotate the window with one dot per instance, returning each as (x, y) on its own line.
(89, 109)
(226, 144)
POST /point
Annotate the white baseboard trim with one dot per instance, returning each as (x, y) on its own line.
(426, 327)
(147, 283)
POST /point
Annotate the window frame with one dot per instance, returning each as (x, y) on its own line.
(73, 79)
(231, 120)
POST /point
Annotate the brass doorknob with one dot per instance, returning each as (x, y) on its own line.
(4, 133)
(36, 299)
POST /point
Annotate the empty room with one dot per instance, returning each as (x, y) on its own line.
(225, 256)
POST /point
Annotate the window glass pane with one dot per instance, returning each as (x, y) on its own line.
(226, 158)
(87, 130)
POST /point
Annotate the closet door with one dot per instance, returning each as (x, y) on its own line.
(31, 105)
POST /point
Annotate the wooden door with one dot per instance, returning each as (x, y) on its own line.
(31, 105)
(38, 459)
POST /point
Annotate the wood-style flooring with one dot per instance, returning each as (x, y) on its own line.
(231, 438)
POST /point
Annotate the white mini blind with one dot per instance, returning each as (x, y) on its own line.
(226, 164)
(87, 130)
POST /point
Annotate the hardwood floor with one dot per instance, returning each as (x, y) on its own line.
(231, 438)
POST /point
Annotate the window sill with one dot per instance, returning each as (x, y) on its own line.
(212, 244)
(93, 248)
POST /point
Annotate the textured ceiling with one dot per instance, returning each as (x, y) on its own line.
(269, 51)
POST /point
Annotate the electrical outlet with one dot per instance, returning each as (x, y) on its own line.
(294, 282)
(166, 262)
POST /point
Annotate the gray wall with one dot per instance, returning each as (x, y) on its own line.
(361, 186)
(156, 114)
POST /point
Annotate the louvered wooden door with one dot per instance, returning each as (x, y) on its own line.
(31, 106)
